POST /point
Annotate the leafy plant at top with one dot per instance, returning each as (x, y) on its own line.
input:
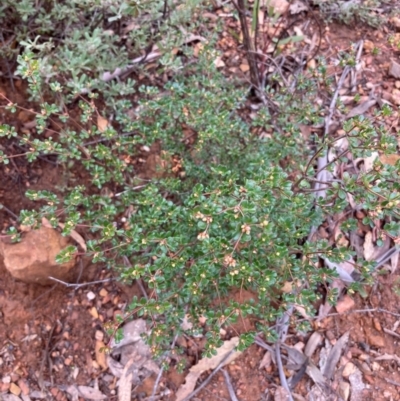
(349, 11)
(73, 43)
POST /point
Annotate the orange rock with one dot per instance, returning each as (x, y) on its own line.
(14, 389)
(33, 259)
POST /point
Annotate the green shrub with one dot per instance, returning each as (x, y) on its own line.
(369, 12)
(235, 210)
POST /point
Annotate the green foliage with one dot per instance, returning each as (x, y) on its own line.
(233, 212)
(349, 12)
(70, 43)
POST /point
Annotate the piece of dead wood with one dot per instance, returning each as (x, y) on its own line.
(225, 354)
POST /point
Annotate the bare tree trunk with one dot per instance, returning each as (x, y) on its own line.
(249, 45)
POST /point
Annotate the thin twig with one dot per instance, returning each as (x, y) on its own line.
(379, 310)
(152, 397)
(392, 333)
(392, 382)
(264, 345)
(79, 285)
(229, 385)
(10, 212)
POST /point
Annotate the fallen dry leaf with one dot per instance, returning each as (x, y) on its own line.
(374, 252)
(207, 364)
(287, 287)
(361, 108)
(313, 343)
(102, 123)
(334, 356)
(266, 361)
(76, 236)
(389, 159)
(94, 313)
(91, 393)
(218, 62)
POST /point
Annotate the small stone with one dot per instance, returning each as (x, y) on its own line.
(366, 368)
(106, 299)
(99, 335)
(364, 357)
(349, 369)
(397, 84)
(14, 389)
(38, 394)
(103, 292)
(345, 304)
(6, 379)
(375, 340)
(54, 391)
(94, 313)
(375, 366)
(377, 324)
(4, 387)
(68, 361)
(396, 22)
(91, 296)
(244, 67)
